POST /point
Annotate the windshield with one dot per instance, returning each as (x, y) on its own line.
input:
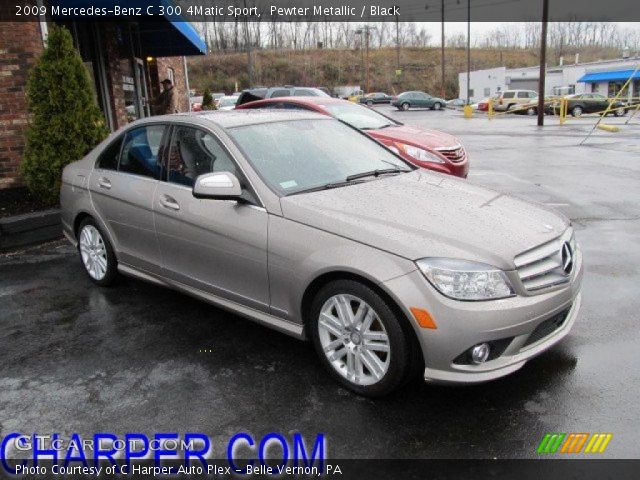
(292, 156)
(359, 116)
(228, 101)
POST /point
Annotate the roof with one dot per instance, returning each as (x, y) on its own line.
(237, 118)
(609, 76)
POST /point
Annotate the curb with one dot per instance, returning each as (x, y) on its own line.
(29, 228)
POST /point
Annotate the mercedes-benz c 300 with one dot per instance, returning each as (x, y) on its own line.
(302, 223)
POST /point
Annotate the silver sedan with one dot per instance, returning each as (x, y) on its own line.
(301, 223)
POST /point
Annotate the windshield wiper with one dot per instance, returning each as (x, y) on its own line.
(327, 186)
(375, 173)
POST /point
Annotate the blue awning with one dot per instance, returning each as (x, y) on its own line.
(612, 76)
(161, 34)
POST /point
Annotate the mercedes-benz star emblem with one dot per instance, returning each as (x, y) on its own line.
(567, 257)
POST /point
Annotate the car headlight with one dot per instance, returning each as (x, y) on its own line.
(419, 153)
(465, 280)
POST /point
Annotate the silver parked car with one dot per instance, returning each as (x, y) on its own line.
(297, 221)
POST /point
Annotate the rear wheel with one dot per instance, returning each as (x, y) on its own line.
(405, 106)
(96, 254)
(532, 111)
(359, 339)
(576, 111)
(437, 106)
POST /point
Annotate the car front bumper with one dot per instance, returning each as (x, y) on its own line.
(508, 322)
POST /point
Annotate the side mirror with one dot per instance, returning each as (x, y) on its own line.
(217, 186)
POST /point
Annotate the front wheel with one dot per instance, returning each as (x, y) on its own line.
(359, 338)
(532, 111)
(370, 103)
(619, 112)
(96, 254)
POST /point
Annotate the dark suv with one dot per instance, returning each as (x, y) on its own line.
(253, 94)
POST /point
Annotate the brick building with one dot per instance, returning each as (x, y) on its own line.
(126, 60)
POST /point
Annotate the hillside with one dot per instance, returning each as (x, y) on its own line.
(329, 68)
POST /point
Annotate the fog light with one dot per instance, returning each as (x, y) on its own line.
(480, 353)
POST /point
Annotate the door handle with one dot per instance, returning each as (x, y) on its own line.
(104, 183)
(169, 202)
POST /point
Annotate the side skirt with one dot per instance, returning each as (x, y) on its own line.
(284, 326)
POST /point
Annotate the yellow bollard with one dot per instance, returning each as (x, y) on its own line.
(563, 110)
(468, 111)
(490, 110)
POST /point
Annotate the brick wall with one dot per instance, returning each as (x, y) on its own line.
(20, 46)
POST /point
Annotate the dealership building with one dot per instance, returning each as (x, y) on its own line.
(606, 77)
(126, 61)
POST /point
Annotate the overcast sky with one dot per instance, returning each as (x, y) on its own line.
(481, 28)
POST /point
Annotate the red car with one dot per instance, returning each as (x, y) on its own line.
(423, 147)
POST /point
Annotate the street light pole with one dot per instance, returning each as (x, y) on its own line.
(366, 31)
(543, 61)
(468, 52)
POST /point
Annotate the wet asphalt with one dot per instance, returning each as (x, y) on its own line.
(141, 358)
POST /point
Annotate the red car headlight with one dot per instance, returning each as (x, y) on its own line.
(419, 153)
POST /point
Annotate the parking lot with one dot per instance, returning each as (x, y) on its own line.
(140, 358)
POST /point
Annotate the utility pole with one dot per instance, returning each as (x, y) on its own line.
(469, 52)
(442, 53)
(543, 61)
(247, 41)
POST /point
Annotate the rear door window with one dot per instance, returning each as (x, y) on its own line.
(304, 93)
(280, 93)
(141, 150)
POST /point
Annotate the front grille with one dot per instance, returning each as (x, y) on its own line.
(548, 264)
(547, 327)
(455, 154)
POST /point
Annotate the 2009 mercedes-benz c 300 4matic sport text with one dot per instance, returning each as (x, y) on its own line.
(304, 224)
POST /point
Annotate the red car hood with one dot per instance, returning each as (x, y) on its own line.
(418, 136)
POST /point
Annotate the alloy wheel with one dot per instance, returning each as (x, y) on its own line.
(354, 339)
(405, 106)
(93, 252)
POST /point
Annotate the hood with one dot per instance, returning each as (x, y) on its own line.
(417, 136)
(425, 214)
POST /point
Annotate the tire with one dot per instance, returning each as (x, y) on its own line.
(532, 111)
(437, 106)
(576, 111)
(619, 112)
(369, 372)
(96, 254)
(405, 106)
(369, 103)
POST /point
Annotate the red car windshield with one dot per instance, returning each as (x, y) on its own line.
(358, 116)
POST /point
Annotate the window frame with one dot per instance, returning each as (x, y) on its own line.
(117, 138)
